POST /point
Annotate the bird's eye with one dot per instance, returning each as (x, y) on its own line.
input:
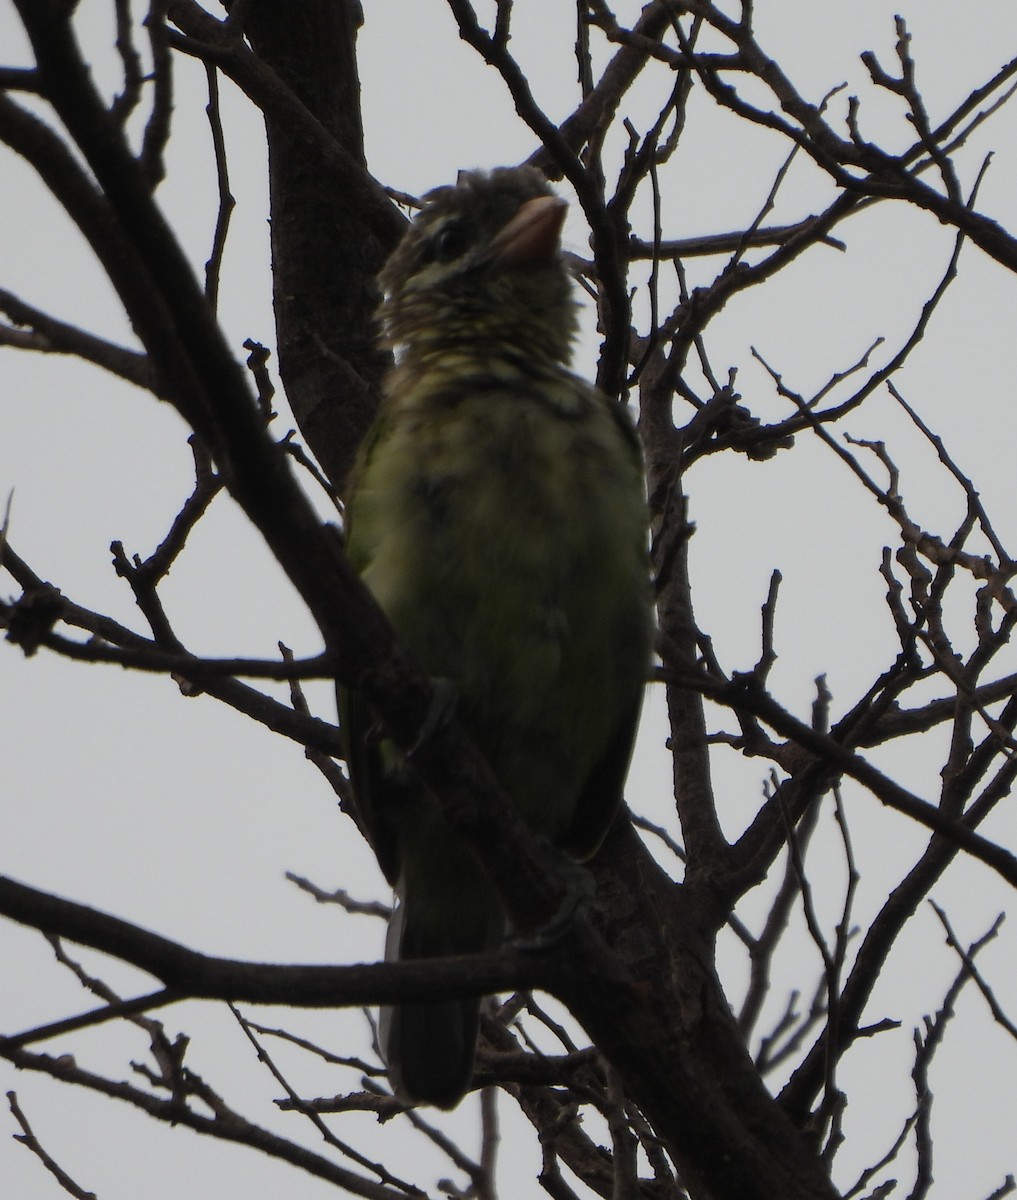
(451, 241)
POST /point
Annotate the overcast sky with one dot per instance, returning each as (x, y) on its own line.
(183, 816)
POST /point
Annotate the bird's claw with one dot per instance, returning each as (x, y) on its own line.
(579, 891)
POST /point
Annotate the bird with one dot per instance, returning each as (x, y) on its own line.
(497, 513)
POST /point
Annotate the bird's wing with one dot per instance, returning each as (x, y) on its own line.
(601, 794)
(373, 791)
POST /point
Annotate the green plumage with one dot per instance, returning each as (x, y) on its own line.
(497, 515)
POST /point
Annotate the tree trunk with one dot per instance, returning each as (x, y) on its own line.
(325, 255)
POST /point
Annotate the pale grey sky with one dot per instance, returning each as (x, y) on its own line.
(182, 816)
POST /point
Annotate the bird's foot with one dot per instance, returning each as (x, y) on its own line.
(579, 890)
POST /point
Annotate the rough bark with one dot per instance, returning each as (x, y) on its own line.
(325, 257)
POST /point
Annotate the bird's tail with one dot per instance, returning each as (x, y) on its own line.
(429, 1047)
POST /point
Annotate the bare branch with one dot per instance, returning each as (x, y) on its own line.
(28, 1138)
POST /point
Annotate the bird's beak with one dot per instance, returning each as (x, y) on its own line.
(531, 236)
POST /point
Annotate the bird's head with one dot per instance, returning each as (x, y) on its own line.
(479, 270)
